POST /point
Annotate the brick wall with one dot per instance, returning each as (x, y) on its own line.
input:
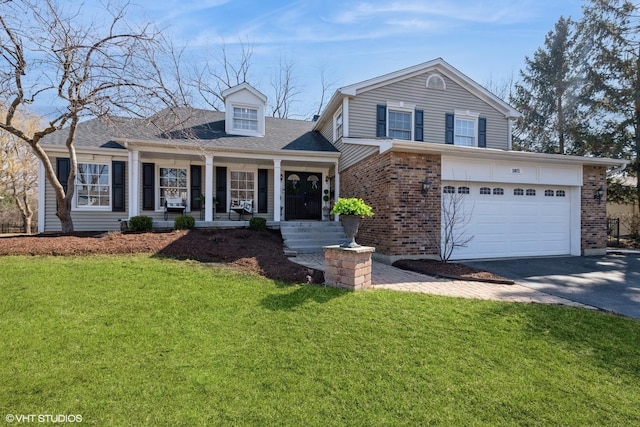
(405, 222)
(593, 213)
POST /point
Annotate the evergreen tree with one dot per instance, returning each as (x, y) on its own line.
(546, 96)
(609, 47)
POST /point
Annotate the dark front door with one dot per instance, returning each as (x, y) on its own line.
(303, 195)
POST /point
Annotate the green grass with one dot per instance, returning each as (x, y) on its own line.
(144, 341)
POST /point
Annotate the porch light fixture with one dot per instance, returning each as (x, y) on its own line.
(598, 194)
(425, 186)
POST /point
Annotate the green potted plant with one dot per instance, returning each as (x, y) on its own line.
(351, 211)
(325, 208)
(201, 199)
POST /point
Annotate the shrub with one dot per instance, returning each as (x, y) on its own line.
(257, 223)
(141, 223)
(184, 222)
(632, 223)
(352, 206)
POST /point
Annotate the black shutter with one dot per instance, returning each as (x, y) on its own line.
(63, 168)
(482, 132)
(148, 186)
(381, 122)
(419, 127)
(448, 133)
(117, 186)
(196, 187)
(263, 201)
(221, 189)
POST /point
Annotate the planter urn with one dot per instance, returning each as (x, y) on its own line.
(350, 223)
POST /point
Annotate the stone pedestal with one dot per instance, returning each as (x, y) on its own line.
(348, 268)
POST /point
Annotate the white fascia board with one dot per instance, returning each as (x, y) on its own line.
(196, 150)
(327, 114)
(484, 153)
(113, 152)
(383, 144)
(244, 86)
(443, 67)
(492, 153)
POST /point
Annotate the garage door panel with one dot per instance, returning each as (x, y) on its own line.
(510, 225)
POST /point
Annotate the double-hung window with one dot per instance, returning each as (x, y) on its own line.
(465, 130)
(399, 125)
(245, 118)
(337, 125)
(242, 185)
(173, 183)
(93, 190)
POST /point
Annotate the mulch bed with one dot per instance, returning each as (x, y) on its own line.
(259, 252)
(450, 270)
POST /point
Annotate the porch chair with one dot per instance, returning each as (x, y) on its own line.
(173, 204)
(241, 207)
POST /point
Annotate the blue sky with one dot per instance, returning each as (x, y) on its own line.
(356, 40)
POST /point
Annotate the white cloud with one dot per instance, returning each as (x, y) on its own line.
(480, 11)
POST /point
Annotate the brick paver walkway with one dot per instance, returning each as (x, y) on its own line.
(384, 276)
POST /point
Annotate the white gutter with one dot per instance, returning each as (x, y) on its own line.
(486, 153)
(246, 153)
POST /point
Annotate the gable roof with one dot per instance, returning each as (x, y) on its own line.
(439, 65)
(188, 126)
(244, 86)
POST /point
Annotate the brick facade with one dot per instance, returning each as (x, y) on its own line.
(593, 212)
(405, 222)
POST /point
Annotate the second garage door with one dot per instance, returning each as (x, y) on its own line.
(511, 220)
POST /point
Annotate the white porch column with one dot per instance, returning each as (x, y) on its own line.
(42, 182)
(277, 189)
(134, 183)
(336, 192)
(208, 188)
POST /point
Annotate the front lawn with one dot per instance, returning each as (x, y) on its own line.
(147, 341)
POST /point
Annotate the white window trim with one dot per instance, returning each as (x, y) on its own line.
(88, 208)
(245, 107)
(335, 118)
(246, 132)
(470, 116)
(186, 166)
(231, 169)
(433, 76)
(403, 107)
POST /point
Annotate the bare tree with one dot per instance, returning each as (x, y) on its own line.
(449, 233)
(285, 89)
(210, 80)
(49, 55)
(326, 86)
(502, 88)
(19, 172)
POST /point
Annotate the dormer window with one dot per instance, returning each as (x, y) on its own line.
(245, 118)
(244, 110)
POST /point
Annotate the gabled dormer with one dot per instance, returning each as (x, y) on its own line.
(245, 108)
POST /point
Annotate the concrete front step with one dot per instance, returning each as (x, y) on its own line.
(309, 236)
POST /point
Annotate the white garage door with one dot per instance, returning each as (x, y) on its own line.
(510, 220)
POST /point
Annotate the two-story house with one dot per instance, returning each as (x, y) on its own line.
(412, 144)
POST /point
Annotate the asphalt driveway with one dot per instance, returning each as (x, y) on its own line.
(609, 282)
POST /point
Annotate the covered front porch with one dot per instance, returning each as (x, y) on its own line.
(283, 186)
